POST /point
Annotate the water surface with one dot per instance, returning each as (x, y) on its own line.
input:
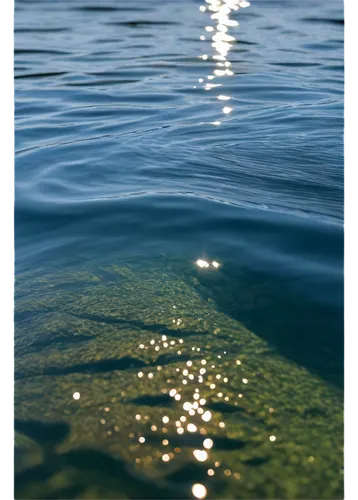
(150, 135)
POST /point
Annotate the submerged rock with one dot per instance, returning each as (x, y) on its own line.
(163, 392)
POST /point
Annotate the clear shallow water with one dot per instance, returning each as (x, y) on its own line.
(127, 153)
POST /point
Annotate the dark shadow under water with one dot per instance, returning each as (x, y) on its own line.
(308, 333)
(101, 466)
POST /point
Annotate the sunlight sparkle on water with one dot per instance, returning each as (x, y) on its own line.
(199, 490)
(192, 428)
(202, 263)
(200, 455)
(208, 443)
(206, 416)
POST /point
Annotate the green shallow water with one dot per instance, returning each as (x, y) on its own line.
(160, 368)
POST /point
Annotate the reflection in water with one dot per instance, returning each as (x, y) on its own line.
(222, 41)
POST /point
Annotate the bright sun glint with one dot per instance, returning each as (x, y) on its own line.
(199, 490)
(202, 263)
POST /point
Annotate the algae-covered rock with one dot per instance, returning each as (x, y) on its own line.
(130, 383)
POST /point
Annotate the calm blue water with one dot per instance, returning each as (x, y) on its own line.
(137, 138)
